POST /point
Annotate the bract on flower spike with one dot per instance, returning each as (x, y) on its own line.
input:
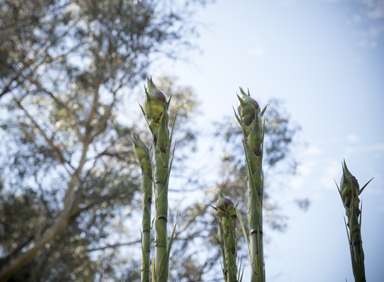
(349, 191)
(156, 112)
(252, 122)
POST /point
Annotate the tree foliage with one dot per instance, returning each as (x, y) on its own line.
(69, 181)
(67, 166)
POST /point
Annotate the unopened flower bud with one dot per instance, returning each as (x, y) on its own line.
(139, 148)
(154, 92)
(247, 108)
(223, 204)
(349, 187)
(154, 103)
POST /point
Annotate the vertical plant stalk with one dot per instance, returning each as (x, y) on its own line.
(156, 112)
(226, 216)
(252, 123)
(350, 191)
(144, 160)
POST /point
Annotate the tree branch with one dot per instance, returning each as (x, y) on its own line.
(114, 246)
(48, 140)
(7, 88)
(61, 224)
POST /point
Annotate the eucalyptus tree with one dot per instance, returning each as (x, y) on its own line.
(69, 176)
(66, 161)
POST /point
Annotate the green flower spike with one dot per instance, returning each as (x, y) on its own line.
(350, 191)
(226, 216)
(155, 104)
(144, 160)
(251, 120)
(156, 112)
(248, 107)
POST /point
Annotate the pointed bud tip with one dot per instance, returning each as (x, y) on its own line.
(223, 203)
(154, 92)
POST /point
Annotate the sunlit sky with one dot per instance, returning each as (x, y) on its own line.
(325, 59)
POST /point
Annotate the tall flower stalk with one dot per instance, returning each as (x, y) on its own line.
(226, 216)
(156, 112)
(349, 192)
(144, 160)
(252, 123)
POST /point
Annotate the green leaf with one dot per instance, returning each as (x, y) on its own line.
(240, 272)
(338, 189)
(173, 125)
(163, 262)
(238, 118)
(213, 207)
(252, 181)
(361, 190)
(244, 232)
(263, 111)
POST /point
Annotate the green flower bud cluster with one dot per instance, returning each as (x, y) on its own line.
(226, 215)
(251, 120)
(156, 112)
(142, 155)
(247, 108)
(224, 206)
(349, 187)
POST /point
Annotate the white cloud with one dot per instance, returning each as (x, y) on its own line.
(352, 138)
(351, 150)
(356, 18)
(304, 172)
(376, 8)
(334, 140)
(314, 151)
(378, 147)
(296, 182)
(371, 11)
(331, 172)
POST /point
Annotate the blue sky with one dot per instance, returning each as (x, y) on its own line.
(325, 59)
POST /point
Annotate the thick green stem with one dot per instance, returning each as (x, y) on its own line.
(146, 225)
(142, 156)
(255, 217)
(161, 206)
(156, 111)
(349, 191)
(226, 215)
(230, 244)
(251, 120)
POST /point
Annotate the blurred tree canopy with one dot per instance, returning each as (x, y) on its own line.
(66, 164)
(69, 183)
